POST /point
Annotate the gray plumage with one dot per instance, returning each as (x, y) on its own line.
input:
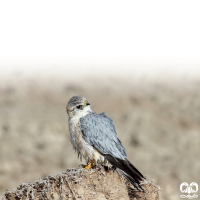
(99, 131)
(94, 137)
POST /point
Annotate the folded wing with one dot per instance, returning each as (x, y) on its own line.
(99, 131)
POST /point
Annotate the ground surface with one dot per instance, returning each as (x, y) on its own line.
(158, 123)
(97, 183)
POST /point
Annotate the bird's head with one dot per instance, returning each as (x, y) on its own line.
(78, 106)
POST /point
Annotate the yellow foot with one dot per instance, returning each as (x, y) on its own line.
(90, 165)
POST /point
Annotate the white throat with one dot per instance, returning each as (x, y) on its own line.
(87, 110)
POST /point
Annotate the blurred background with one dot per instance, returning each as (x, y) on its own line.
(139, 61)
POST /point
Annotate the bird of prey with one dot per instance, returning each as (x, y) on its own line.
(94, 138)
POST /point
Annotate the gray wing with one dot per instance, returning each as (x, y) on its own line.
(98, 130)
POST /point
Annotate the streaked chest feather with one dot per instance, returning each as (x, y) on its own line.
(83, 149)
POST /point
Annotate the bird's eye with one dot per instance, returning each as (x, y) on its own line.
(79, 106)
(87, 104)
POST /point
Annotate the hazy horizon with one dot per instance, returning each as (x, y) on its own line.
(73, 64)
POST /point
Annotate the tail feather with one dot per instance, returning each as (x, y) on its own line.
(127, 169)
(130, 179)
(134, 169)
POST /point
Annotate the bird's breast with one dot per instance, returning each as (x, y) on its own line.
(83, 149)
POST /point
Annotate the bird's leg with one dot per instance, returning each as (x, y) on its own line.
(90, 165)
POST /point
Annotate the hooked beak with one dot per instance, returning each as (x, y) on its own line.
(85, 103)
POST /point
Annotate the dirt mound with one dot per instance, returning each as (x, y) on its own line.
(99, 183)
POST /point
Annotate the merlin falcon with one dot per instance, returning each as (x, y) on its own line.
(94, 138)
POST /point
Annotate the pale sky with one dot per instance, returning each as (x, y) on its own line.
(103, 63)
